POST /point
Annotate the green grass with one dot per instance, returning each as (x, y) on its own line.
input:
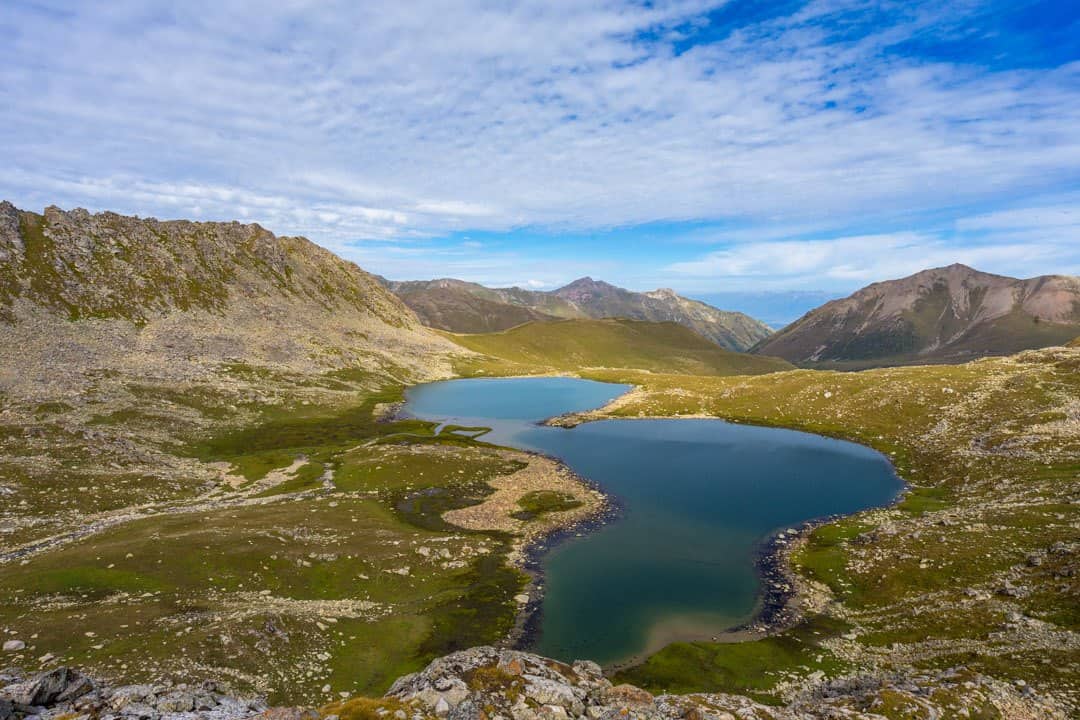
(187, 588)
(752, 668)
(823, 557)
(570, 345)
(540, 502)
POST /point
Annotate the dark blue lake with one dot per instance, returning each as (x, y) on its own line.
(697, 497)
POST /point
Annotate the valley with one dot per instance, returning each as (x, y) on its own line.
(209, 478)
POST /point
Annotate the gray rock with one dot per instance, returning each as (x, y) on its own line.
(140, 711)
(56, 686)
(14, 645)
(128, 694)
(551, 692)
(467, 709)
(176, 702)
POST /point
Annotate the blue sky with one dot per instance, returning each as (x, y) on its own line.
(707, 146)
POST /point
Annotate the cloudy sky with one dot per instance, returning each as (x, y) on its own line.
(707, 146)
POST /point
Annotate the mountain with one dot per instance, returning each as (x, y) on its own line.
(569, 345)
(947, 314)
(464, 307)
(775, 308)
(180, 293)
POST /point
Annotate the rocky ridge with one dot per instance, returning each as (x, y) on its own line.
(464, 307)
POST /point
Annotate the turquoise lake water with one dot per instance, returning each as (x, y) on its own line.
(696, 498)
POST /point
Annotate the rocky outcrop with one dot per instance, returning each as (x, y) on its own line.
(143, 298)
(487, 683)
(66, 693)
(104, 265)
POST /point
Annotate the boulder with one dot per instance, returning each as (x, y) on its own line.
(56, 686)
(627, 695)
(176, 702)
(14, 646)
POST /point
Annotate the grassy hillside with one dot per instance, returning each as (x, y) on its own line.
(569, 345)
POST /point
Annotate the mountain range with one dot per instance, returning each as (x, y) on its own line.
(949, 314)
(219, 290)
(464, 307)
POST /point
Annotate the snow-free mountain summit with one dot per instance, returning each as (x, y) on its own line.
(949, 314)
(464, 307)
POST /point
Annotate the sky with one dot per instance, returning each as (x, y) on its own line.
(713, 147)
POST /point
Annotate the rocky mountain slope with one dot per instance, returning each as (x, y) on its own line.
(215, 290)
(949, 314)
(464, 307)
(136, 356)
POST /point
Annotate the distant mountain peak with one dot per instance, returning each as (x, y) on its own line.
(950, 313)
(469, 308)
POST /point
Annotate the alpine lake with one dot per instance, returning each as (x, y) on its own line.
(696, 499)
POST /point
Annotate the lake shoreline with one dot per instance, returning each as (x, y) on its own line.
(783, 595)
(529, 549)
(532, 553)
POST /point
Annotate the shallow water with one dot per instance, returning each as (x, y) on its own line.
(696, 499)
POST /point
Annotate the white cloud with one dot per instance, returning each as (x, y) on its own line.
(399, 121)
(1017, 242)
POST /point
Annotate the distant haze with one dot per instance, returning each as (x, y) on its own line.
(774, 308)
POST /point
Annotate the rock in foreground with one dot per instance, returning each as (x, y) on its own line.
(64, 692)
(487, 683)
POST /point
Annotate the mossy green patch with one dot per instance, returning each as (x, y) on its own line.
(539, 502)
(751, 668)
